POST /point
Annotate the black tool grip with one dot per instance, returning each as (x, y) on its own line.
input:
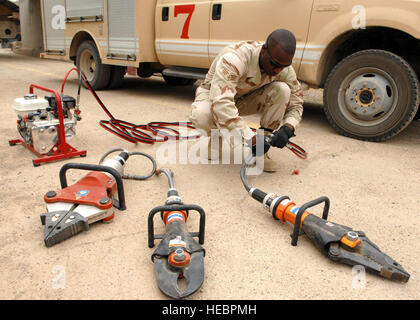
(184, 207)
(94, 167)
(258, 195)
(296, 229)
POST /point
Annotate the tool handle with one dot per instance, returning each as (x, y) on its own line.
(184, 207)
(94, 167)
(296, 229)
(296, 149)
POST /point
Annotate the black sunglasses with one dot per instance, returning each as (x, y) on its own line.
(274, 62)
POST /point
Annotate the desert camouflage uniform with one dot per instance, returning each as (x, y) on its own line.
(235, 86)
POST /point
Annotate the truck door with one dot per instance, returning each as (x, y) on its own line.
(234, 20)
(53, 24)
(182, 32)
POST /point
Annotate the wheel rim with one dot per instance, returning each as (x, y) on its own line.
(368, 96)
(87, 64)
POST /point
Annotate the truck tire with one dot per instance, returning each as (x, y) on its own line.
(117, 77)
(89, 62)
(178, 81)
(371, 95)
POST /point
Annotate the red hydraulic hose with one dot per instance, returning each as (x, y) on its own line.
(135, 132)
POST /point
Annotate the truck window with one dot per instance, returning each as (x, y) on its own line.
(76, 9)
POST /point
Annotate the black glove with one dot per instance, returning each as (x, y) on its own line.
(261, 142)
(281, 137)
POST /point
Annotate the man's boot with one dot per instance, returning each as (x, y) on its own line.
(269, 164)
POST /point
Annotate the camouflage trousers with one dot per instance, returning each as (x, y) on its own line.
(270, 101)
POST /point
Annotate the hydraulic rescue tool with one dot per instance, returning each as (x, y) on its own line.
(46, 123)
(337, 242)
(73, 208)
(178, 256)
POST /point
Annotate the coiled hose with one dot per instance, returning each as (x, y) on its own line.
(156, 131)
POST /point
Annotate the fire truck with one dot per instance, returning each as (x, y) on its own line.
(364, 54)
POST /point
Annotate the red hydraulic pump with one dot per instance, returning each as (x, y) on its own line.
(46, 123)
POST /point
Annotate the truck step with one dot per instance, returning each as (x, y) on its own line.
(185, 72)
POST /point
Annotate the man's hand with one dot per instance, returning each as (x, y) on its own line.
(261, 142)
(281, 137)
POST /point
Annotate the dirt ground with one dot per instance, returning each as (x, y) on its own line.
(373, 187)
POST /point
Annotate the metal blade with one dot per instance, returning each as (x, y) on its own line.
(370, 257)
(327, 237)
(167, 276)
(61, 225)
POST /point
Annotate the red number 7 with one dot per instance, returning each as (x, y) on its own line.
(185, 9)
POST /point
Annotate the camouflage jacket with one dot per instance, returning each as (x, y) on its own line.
(234, 73)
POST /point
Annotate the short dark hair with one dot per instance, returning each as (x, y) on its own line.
(283, 38)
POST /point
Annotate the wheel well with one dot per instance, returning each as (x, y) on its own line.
(78, 39)
(388, 39)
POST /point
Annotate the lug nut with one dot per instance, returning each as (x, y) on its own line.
(179, 255)
(51, 194)
(334, 250)
(104, 200)
(352, 236)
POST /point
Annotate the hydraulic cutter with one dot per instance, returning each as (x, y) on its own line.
(178, 255)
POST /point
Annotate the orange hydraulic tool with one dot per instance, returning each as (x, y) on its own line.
(337, 242)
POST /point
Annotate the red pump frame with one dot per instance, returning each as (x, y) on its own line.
(61, 149)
